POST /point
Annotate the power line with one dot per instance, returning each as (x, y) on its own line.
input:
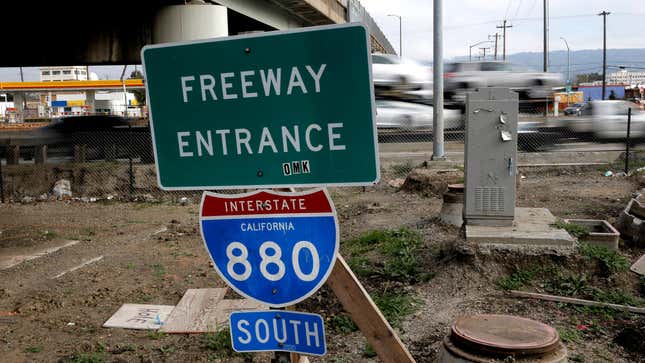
(518, 9)
(457, 26)
(508, 7)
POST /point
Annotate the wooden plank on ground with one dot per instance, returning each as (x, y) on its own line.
(139, 316)
(570, 300)
(639, 266)
(191, 313)
(205, 311)
(366, 314)
(8, 260)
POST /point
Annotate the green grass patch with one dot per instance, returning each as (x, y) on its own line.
(156, 335)
(158, 270)
(390, 254)
(342, 324)
(402, 169)
(610, 260)
(395, 306)
(568, 285)
(96, 357)
(517, 279)
(368, 351)
(569, 335)
(220, 343)
(573, 229)
(34, 349)
(617, 296)
(49, 235)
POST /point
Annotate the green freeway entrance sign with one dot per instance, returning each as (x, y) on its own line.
(277, 109)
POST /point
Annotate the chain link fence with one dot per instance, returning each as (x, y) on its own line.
(119, 163)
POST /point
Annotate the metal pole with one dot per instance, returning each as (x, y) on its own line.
(130, 169)
(484, 49)
(568, 61)
(504, 26)
(400, 37)
(629, 123)
(400, 34)
(546, 35)
(470, 55)
(504, 43)
(496, 36)
(1, 181)
(437, 84)
(604, 50)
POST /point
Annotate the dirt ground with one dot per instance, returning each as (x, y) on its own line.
(152, 253)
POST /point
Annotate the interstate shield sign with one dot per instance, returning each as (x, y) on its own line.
(274, 247)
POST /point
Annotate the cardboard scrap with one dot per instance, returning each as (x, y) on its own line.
(639, 266)
(139, 316)
(204, 311)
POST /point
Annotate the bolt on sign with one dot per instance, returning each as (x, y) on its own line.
(293, 108)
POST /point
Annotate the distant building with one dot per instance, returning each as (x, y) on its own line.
(626, 77)
(594, 92)
(59, 74)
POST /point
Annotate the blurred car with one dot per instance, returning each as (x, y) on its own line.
(609, 120)
(102, 135)
(392, 114)
(603, 120)
(395, 74)
(461, 77)
(534, 136)
(574, 109)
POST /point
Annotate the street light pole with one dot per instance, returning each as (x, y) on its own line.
(400, 34)
(568, 63)
(604, 50)
(470, 49)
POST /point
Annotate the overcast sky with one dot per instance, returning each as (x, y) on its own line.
(467, 22)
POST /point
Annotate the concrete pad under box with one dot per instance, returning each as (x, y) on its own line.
(602, 233)
(532, 227)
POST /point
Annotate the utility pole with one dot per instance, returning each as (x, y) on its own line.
(568, 65)
(470, 49)
(437, 85)
(484, 49)
(496, 36)
(400, 34)
(604, 50)
(504, 26)
(546, 35)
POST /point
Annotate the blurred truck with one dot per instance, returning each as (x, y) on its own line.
(461, 77)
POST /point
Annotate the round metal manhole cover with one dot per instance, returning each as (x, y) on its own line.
(504, 334)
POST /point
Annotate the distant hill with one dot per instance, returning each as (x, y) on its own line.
(582, 61)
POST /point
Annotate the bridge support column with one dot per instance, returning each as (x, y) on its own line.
(190, 22)
(40, 154)
(13, 154)
(90, 100)
(19, 104)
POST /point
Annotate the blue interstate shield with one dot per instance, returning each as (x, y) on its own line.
(277, 248)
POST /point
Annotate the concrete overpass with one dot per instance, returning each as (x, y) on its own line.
(113, 32)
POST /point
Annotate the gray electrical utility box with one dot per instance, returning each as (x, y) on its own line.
(491, 157)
